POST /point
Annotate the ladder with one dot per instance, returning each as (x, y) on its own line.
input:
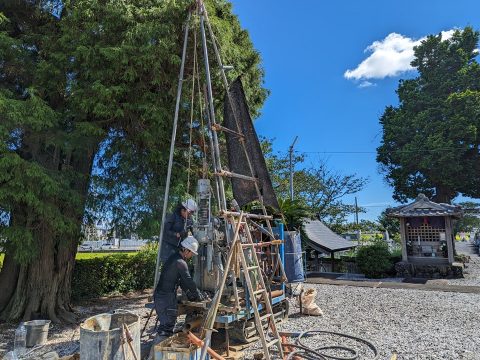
(240, 245)
(238, 219)
(261, 290)
(215, 127)
(242, 241)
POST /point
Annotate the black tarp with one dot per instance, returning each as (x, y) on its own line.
(244, 190)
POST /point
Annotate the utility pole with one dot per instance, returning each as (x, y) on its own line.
(291, 167)
(356, 211)
(356, 221)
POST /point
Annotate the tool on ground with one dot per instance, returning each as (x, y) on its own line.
(123, 340)
(129, 339)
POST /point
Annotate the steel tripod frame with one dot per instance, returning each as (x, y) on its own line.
(172, 147)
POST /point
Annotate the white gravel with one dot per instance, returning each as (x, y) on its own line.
(415, 324)
(471, 272)
(412, 323)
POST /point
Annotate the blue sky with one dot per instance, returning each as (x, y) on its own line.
(333, 66)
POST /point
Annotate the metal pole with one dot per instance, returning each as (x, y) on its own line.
(356, 211)
(212, 312)
(239, 130)
(222, 200)
(356, 221)
(172, 148)
(291, 167)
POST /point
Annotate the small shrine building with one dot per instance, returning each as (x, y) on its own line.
(426, 230)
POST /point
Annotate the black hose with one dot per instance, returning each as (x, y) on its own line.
(306, 352)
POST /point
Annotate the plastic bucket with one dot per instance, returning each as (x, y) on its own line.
(37, 332)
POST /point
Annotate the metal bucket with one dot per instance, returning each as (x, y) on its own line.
(177, 347)
(37, 332)
(101, 337)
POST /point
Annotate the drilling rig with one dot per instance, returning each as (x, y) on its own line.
(240, 260)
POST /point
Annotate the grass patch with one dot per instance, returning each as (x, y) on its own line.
(94, 255)
(86, 255)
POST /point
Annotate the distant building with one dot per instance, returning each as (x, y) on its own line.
(100, 230)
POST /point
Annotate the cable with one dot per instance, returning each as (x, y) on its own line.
(306, 352)
(446, 149)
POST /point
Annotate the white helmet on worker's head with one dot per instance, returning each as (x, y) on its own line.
(190, 205)
(190, 243)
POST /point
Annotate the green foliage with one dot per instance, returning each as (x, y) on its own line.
(93, 255)
(390, 224)
(34, 190)
(93, 89)
(470, 219)
(118, 273)
(143, 58)
(430, 140)
(316, 188)
(374, 260)
(87, 97)
(396, 255)
(293, 212)
(364, 226)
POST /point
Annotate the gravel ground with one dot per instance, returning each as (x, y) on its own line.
(471, 272)
(415, 324)
(64, 339)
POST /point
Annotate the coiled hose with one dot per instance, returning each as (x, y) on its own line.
(305, 352)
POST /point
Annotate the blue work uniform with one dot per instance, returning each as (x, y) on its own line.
(174, 273)
(175, 224)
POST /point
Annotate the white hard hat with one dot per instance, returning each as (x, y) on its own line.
(190, 205)
(191, 244)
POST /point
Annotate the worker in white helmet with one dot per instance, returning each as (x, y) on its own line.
(174, 273)
(176, 228)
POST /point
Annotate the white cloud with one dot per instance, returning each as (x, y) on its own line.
(389, 57)
(366, 83)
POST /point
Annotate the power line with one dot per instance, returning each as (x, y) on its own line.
(387, 152)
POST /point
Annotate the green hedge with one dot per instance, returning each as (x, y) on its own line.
(374, 260)
(117, 273)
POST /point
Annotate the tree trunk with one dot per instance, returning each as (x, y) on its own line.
(42, 288)
(443, 195)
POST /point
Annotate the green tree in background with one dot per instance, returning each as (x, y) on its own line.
(390, 224)
(363, 226)
(431, 140)
(470, 219)
(86, 105)
(317, 188)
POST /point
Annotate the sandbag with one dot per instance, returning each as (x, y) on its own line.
(308, 303)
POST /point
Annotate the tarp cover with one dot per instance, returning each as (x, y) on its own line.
(244, 190)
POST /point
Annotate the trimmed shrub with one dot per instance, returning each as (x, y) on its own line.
(118, 273)
(374, 260)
